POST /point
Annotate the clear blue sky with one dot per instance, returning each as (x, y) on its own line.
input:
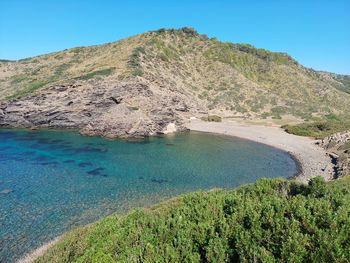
(316, 33)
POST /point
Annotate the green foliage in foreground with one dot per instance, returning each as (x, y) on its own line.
(320, 129)
(269, 221)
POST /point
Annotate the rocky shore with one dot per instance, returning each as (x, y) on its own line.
(134, 108)
(338, 147)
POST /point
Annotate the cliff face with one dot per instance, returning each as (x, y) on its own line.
(151, 83)
(111, 110)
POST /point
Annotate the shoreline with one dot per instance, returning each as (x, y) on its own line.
(298, 164)
(311, 159)
(268, 135)
(36, 253)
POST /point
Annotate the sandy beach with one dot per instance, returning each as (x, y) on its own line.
(313, 159)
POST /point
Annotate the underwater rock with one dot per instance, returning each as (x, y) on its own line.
(49, 163)
(42, 158)
(159, 181)
(84, 164)
(96, 171)
(6, 191)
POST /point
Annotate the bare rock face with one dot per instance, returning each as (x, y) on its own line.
(120, 121)
(113, 109)
(338, 146)
(170, 128)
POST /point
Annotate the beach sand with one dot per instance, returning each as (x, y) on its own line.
(313, 159)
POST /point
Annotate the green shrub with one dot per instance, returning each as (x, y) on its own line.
(137, 72)
(213, 118)
(332, 116)
(189, 31)
(269, 221)
(31, 87)
(77, 50)
(320, 129)
(6, 60)
(203, 95)
(344, 83)
(93, 74)
(59, 70)
(134, 61)
(18, 78)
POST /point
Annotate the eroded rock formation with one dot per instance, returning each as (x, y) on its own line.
(131, 108)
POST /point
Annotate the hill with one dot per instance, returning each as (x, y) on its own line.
(152, 82)
(269, 221)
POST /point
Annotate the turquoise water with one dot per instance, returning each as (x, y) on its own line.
(51, 182)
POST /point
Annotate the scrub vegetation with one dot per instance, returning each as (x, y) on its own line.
(212, 118)
(235, 79)
(102, 72)
(273, 220)
(320, 128)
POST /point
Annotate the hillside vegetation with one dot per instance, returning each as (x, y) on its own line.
(269, 221)
(225, 79)
(320, 128)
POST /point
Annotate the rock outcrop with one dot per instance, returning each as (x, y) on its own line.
(113, 109)
(338, 147)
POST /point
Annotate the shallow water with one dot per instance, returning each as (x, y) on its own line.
(53, 181)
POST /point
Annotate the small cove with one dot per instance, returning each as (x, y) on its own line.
(53, 181)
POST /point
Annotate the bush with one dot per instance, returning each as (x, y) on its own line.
(102, 72)
(213, 118)
(189, 30)
(30, 88)
(269, 221)
(134, 62)
(18, 78)
(319, 129)
(317, 187)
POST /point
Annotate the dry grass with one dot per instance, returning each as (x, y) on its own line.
(227, 79)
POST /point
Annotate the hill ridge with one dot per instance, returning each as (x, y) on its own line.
(162, 78)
